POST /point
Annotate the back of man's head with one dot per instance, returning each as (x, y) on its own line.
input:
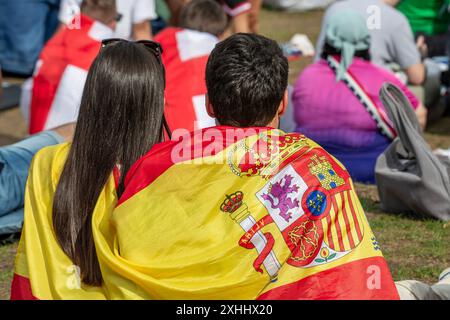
(246, 78)
(205, 16)
(101, 10)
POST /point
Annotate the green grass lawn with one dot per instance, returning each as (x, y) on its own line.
(414, 248)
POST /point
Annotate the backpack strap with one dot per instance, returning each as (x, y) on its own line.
(377, 114)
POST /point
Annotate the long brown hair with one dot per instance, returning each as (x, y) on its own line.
(120, 119)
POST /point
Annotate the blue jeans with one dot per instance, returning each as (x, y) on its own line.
(15, 161)
(25, 26)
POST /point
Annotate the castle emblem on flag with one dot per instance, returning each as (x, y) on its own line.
(323, 170)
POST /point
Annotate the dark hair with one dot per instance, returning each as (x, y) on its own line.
(120, 119)
(205, 16)
(246, 78)
(331, 51)
(101, 10)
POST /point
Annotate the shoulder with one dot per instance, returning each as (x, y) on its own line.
(396, 18)
(309, 77)
(166, 33)
(315, 69)
(49, 161)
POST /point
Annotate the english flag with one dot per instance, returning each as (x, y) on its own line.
(52, 97)
(185, 56)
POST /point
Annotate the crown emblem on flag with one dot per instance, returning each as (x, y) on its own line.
(232, 202)
(324, 171)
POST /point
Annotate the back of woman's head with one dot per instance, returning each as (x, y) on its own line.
(120, 119)
(348, 35)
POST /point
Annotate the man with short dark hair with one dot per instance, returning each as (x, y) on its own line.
(204, 16)
(243, 14)
(247, 82)
(243, 210)
(186, 51)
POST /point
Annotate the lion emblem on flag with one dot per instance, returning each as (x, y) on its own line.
(311, 203)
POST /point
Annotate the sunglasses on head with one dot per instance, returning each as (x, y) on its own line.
(152, 46)
(156, 49)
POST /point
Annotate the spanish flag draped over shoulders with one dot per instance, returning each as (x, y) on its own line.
(221, 213)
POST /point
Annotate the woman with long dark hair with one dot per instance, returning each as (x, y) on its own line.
(121, 117)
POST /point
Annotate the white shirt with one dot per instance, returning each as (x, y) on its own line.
(133, 11)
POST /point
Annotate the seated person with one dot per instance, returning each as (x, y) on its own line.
(185, 54)
(25, 26)
(332, 99)
(237, 211)
(121, 117)
(243, 13)
(52, 97)
(135, 21)
(392, 40)
(184, 108)
(416, 290)
(429, 19)
(14, 165)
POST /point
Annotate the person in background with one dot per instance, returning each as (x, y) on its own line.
(297, 5)
(121, 118)
(25, 26)
(185, 54)
(204, 21)
(392, 38)
(429, 21)
(244, 14)
(336, 99)
(15, 162)
(52, 97)
(135, 17)
(416, 290)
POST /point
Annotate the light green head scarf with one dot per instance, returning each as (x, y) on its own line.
(347, 31)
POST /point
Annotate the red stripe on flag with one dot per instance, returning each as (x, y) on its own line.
(337, 225)
(349, 281)
(21, 289)
(347, 222)
(355, 218)
(329, 235)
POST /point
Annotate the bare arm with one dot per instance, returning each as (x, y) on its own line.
(142, 31)
(422, 113)
(416, 74)
(254, 15)
(241, 23)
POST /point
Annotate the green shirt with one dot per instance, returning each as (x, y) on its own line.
(427, 16)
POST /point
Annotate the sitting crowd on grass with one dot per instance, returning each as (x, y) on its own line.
(157, 165)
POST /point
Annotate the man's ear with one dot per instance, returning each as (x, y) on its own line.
(284, 103)
(209, 107)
